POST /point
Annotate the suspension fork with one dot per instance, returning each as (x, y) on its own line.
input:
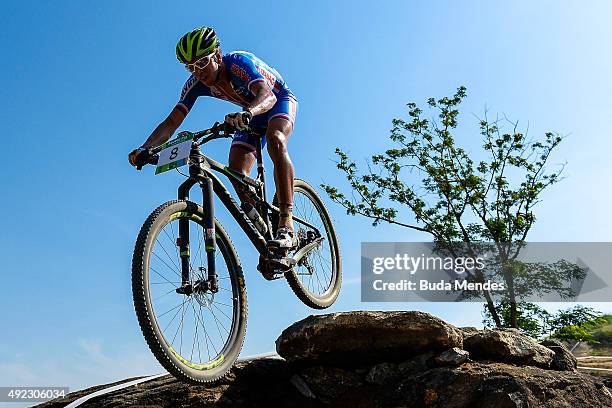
(183, 239)
(208, 232)
(210, 243)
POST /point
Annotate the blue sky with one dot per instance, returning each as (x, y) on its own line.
(84, 84)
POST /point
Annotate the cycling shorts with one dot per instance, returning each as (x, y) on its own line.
(285, 107)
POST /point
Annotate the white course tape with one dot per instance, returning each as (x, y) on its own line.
(111, 389)
(595, 368)
(114, 388)
(594, 358)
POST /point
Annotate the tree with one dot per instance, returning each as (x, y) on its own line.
(531, 318)
(577, 324)
(458, 199)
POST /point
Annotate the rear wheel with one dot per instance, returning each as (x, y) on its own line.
(196, 337)
(317, 278)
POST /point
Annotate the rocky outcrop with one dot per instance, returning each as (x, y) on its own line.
(444, 367)
(563, 360)
(452, 357)
(508, 346)
(360, 337)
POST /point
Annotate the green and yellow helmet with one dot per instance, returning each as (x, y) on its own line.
(195, 44)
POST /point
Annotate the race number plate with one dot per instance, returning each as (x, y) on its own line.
(175, 153)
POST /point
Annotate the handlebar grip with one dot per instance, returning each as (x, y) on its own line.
(152, 159)
(227, 128)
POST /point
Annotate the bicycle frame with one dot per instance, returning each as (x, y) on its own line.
(201, 172)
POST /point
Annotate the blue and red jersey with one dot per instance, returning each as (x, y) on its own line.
(244, 69)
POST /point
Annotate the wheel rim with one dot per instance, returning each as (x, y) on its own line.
(197, 329)
(318, 283)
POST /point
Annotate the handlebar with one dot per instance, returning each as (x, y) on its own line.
(217, 131)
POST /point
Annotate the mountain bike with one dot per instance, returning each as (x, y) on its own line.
(187, 280)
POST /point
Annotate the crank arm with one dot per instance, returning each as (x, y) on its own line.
(286, 263)
(306, 249)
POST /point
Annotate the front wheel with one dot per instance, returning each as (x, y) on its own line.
(196, 336)
(317, 278)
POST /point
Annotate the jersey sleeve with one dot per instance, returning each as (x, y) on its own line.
(246, 69)
(192, 90)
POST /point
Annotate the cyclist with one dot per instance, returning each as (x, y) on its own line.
(266, 101)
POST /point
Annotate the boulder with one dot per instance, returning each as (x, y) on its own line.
(328, 383)
(418, 363)
(272, 383)
(468, 331)
(452, 357)
(507, 345)
(383, 373)
(381, 359)
(365, 336)
(497, 385)
(563, 360)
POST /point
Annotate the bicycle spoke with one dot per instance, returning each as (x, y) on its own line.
(172, 241)
(212, 322)
(222, 312)
(171, 320)
(196, 337)
(180, 324)
(211, 342)
(170, 291)
(200, 318)
(162, 276)
(320, 277)
(168, 311)
(168, 255)
(169, 267)
(217, 324)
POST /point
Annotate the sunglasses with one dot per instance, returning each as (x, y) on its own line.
(201, 63)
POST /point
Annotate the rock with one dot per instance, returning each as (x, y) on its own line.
(507, 345)
(496, 385)
(256, 383)
(468, 331)
(416, 382)
(362, 337)
(563, 360)
(452, 357)
(416, 364)
(383, 373)
(327, 383)
(301, 386)
(267, 384)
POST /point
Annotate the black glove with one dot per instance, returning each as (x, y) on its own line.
(239, 120)
(139, 157)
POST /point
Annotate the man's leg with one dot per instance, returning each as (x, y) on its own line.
(241, 160)
(277, 136)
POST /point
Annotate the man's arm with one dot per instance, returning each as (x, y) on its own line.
(264, 101)
(264, 98)
(165, 129)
